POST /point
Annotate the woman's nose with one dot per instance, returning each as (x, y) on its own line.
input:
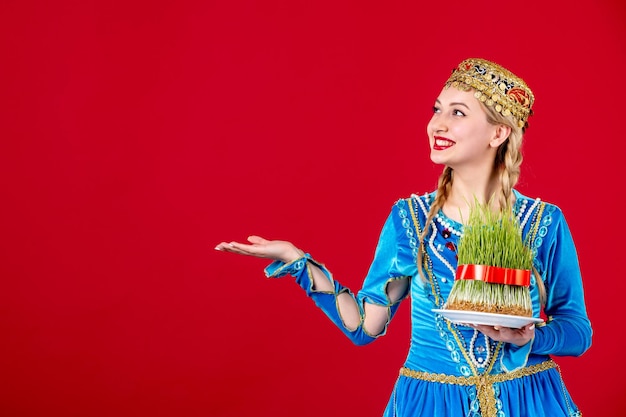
(437, 124)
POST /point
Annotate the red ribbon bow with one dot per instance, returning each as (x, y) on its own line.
(494, 274)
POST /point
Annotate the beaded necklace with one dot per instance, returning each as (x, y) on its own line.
(448, 229)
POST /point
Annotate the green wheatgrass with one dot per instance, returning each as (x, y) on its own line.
(495, 239)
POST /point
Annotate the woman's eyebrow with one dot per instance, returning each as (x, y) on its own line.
(455, 104)
(460, 104)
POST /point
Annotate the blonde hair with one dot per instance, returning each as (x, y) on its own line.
(507, 163)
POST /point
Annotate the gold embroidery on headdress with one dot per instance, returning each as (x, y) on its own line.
(496, 87)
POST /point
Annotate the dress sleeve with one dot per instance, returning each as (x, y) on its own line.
(568, 330)
(392, 260)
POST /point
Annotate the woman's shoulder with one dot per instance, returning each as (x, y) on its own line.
(533, 207)
(420, 203)
(425, 198)
(523, 200)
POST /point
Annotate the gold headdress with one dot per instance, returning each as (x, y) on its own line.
(495, 86)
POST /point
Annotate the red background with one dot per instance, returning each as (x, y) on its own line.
(136, 135)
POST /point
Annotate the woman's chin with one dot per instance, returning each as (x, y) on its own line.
(436, 158)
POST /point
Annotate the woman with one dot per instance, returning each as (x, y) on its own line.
(451, 369)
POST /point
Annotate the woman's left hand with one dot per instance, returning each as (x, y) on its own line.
(518, 337)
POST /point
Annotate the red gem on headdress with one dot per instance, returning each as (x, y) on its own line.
(451, 246)
(468, 66)
(520, 96)
(446, 233)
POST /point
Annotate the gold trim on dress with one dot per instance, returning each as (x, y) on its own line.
(483, 383)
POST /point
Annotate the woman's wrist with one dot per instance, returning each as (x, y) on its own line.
(292, 255)
(287, 265)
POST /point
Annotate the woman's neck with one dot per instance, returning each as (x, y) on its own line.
(466, 192)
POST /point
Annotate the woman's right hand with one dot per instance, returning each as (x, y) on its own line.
(277, 250)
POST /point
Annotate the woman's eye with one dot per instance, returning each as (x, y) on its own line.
(458, 113)
(435, 109)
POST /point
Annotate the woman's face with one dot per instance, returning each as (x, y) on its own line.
(459, 133)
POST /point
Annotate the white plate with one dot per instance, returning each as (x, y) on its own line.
(490, 319)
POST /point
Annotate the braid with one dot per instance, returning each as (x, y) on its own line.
(508, 161)
(443, 190)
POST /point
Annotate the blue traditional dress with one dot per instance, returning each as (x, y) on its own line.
(453, 370)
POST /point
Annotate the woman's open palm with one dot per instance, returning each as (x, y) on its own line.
(278, 250)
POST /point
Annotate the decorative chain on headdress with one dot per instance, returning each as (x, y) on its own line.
(496, 87)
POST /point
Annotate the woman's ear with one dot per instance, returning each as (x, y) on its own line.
(502, 133)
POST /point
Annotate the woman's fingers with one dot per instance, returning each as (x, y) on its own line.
(491, 331)
(243, 249)
(262, 248)
(507, 334)
(221, 246)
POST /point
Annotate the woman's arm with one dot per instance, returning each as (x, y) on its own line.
(568, 330)
(363, 317)
(361, 324)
